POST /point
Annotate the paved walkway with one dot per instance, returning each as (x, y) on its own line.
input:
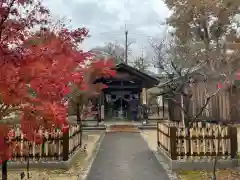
(125, 156)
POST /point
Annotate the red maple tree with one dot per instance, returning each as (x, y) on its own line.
(91, 88)
(37, 70)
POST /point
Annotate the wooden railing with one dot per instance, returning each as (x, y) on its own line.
(56, 145)
(201, 141)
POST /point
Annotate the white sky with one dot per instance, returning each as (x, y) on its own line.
(106, 19)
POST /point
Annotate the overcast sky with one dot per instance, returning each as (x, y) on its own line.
(106, 19)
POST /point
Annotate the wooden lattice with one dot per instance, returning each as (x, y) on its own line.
(200, 142)
(51, 149)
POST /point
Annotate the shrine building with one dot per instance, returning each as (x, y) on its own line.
(128, 83)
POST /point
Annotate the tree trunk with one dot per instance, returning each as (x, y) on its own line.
(182, 110)
(79, 121)
(78, 114)
(4, 170)
(81, 137)
(28, 159)
(214, 175)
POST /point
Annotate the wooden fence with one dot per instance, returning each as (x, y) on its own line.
(223, 106)
(56, 146)
(203, 143)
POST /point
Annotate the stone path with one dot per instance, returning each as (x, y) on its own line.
(125, 156)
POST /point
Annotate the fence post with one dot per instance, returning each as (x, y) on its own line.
(173, 143)
(65, 139)
(158, 142)
(233, 141)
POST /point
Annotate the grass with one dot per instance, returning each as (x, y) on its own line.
(225, 174)
(187, 175)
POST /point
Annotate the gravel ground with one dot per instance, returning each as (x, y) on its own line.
(125, 156)
(79, 168)
(150, 136)
(228, 174)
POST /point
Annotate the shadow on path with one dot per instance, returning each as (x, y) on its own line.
(125, 156)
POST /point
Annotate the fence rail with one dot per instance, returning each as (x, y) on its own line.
(56, 145)
(200, 142)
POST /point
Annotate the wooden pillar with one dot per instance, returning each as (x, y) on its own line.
(233, 103)
(144, 96)
(102, 109)
(160, 104)
(232, 132)
(182, 108)
(163, 108)
(65, 145)
(144, 102)
(173, 144)
(171, 110)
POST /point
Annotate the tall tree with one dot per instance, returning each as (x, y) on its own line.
(36, 71)
(208, 29)
(112, 50)
(204, 32)
(141, 64)
(78, 98)
(210, 26)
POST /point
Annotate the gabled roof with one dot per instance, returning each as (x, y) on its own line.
(149, 80)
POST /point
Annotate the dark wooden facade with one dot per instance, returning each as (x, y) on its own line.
(127, 83)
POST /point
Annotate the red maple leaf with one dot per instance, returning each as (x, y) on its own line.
(238, 75)
(38, 70)
(220, 85)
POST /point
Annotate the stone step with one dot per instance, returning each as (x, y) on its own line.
(148, 127)
(123, 128)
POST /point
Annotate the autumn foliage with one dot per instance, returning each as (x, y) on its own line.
(37, 69)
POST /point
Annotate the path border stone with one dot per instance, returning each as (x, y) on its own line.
(196, 165)
(172, 175)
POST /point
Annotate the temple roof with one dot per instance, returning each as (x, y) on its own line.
(148, 79)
